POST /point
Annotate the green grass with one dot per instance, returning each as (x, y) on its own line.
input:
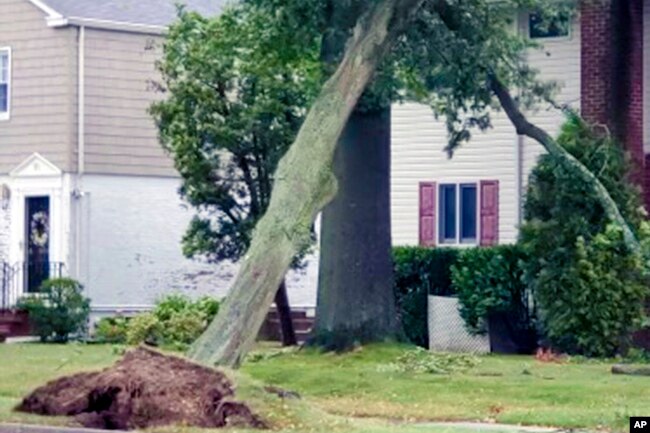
(516, 390)
(512, 389)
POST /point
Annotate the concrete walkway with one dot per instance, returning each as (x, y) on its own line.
(438, 427)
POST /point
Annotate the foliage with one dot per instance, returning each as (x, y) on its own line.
(176, 321)
(490, 280)
(58, 310)
(232, 107)
(420, 272)
(112, 329)
(144, 327)
(420, 360)
(589, 287)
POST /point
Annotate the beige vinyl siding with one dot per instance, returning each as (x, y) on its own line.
(120, 135)
(418, 142)
(43, 88)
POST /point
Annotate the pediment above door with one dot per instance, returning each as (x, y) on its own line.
(36, 165)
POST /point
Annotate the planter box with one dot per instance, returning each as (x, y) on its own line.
(447, 332)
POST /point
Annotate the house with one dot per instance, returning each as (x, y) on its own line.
(600, 59)
(86, 190)
(85, 187)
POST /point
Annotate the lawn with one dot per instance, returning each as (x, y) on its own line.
(517, 390)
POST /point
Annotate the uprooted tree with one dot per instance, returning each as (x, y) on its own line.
(454, 72)
(304, 183)
(355, 295)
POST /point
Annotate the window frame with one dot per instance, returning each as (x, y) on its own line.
(566, 37)
(6, 115)
(457, 241)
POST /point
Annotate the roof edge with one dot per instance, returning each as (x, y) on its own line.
(61, 21)
(51, 13)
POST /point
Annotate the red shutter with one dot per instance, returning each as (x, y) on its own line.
(427, 214)
(489, 212)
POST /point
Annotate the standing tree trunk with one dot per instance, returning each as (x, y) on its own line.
(355, 285)
(284, 315)
(304, 184)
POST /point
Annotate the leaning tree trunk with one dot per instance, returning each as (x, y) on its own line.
(524, 127)
(304, 184)
(355, 284)
(283, 308)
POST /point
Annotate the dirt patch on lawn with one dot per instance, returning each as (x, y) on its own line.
(144, 389)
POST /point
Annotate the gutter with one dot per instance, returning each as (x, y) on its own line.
(60, 21)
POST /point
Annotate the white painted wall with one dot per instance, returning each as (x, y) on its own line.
(131, 247)
(418, 140)
(5, 225)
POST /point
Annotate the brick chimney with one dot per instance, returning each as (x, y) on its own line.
(612, 72)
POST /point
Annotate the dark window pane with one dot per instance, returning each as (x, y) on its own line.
(447, 213)
(548, 27)
(3, 98)
(468, 213)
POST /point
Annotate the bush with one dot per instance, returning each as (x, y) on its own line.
(589, 287)
(144, 327)
(175, 321)
(112, 329)
(420, 272)
(58, 310)
(490, 280)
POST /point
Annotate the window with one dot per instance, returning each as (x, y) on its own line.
(457, 208)
(5, 82)
(547, 27)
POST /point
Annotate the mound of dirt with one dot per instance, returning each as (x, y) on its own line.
(144, 389)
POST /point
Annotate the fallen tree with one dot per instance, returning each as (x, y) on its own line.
(525, 127)
(304, 185)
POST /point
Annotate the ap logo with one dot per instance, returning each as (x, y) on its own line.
(639, 424)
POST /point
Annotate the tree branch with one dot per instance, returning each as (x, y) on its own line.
(524, 127)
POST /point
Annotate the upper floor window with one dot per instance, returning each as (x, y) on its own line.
(5, 82)
(547, 27)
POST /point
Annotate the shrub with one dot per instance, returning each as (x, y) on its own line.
(175, 321)
(589, 287)
(58, 310)
(490, 280)
(144, 327)
(112, 329)
(420, 272)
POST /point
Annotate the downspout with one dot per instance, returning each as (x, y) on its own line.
(81, 144)
(519, 171)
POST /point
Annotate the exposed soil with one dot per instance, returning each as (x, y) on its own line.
(144, 389)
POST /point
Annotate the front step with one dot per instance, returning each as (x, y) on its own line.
(14, 324)
(272, 331)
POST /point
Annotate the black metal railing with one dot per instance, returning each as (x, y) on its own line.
(21, 278)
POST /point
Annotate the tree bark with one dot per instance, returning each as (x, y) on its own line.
(284, 314)
(356, 303)
(524, 127)
(304, 184)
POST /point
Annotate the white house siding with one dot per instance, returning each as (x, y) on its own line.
(646, 76)
(131, 247)
(418, 141)
(5, 224)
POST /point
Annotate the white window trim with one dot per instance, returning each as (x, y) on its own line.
(457, 242)
(526, 28)
(7, 114)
